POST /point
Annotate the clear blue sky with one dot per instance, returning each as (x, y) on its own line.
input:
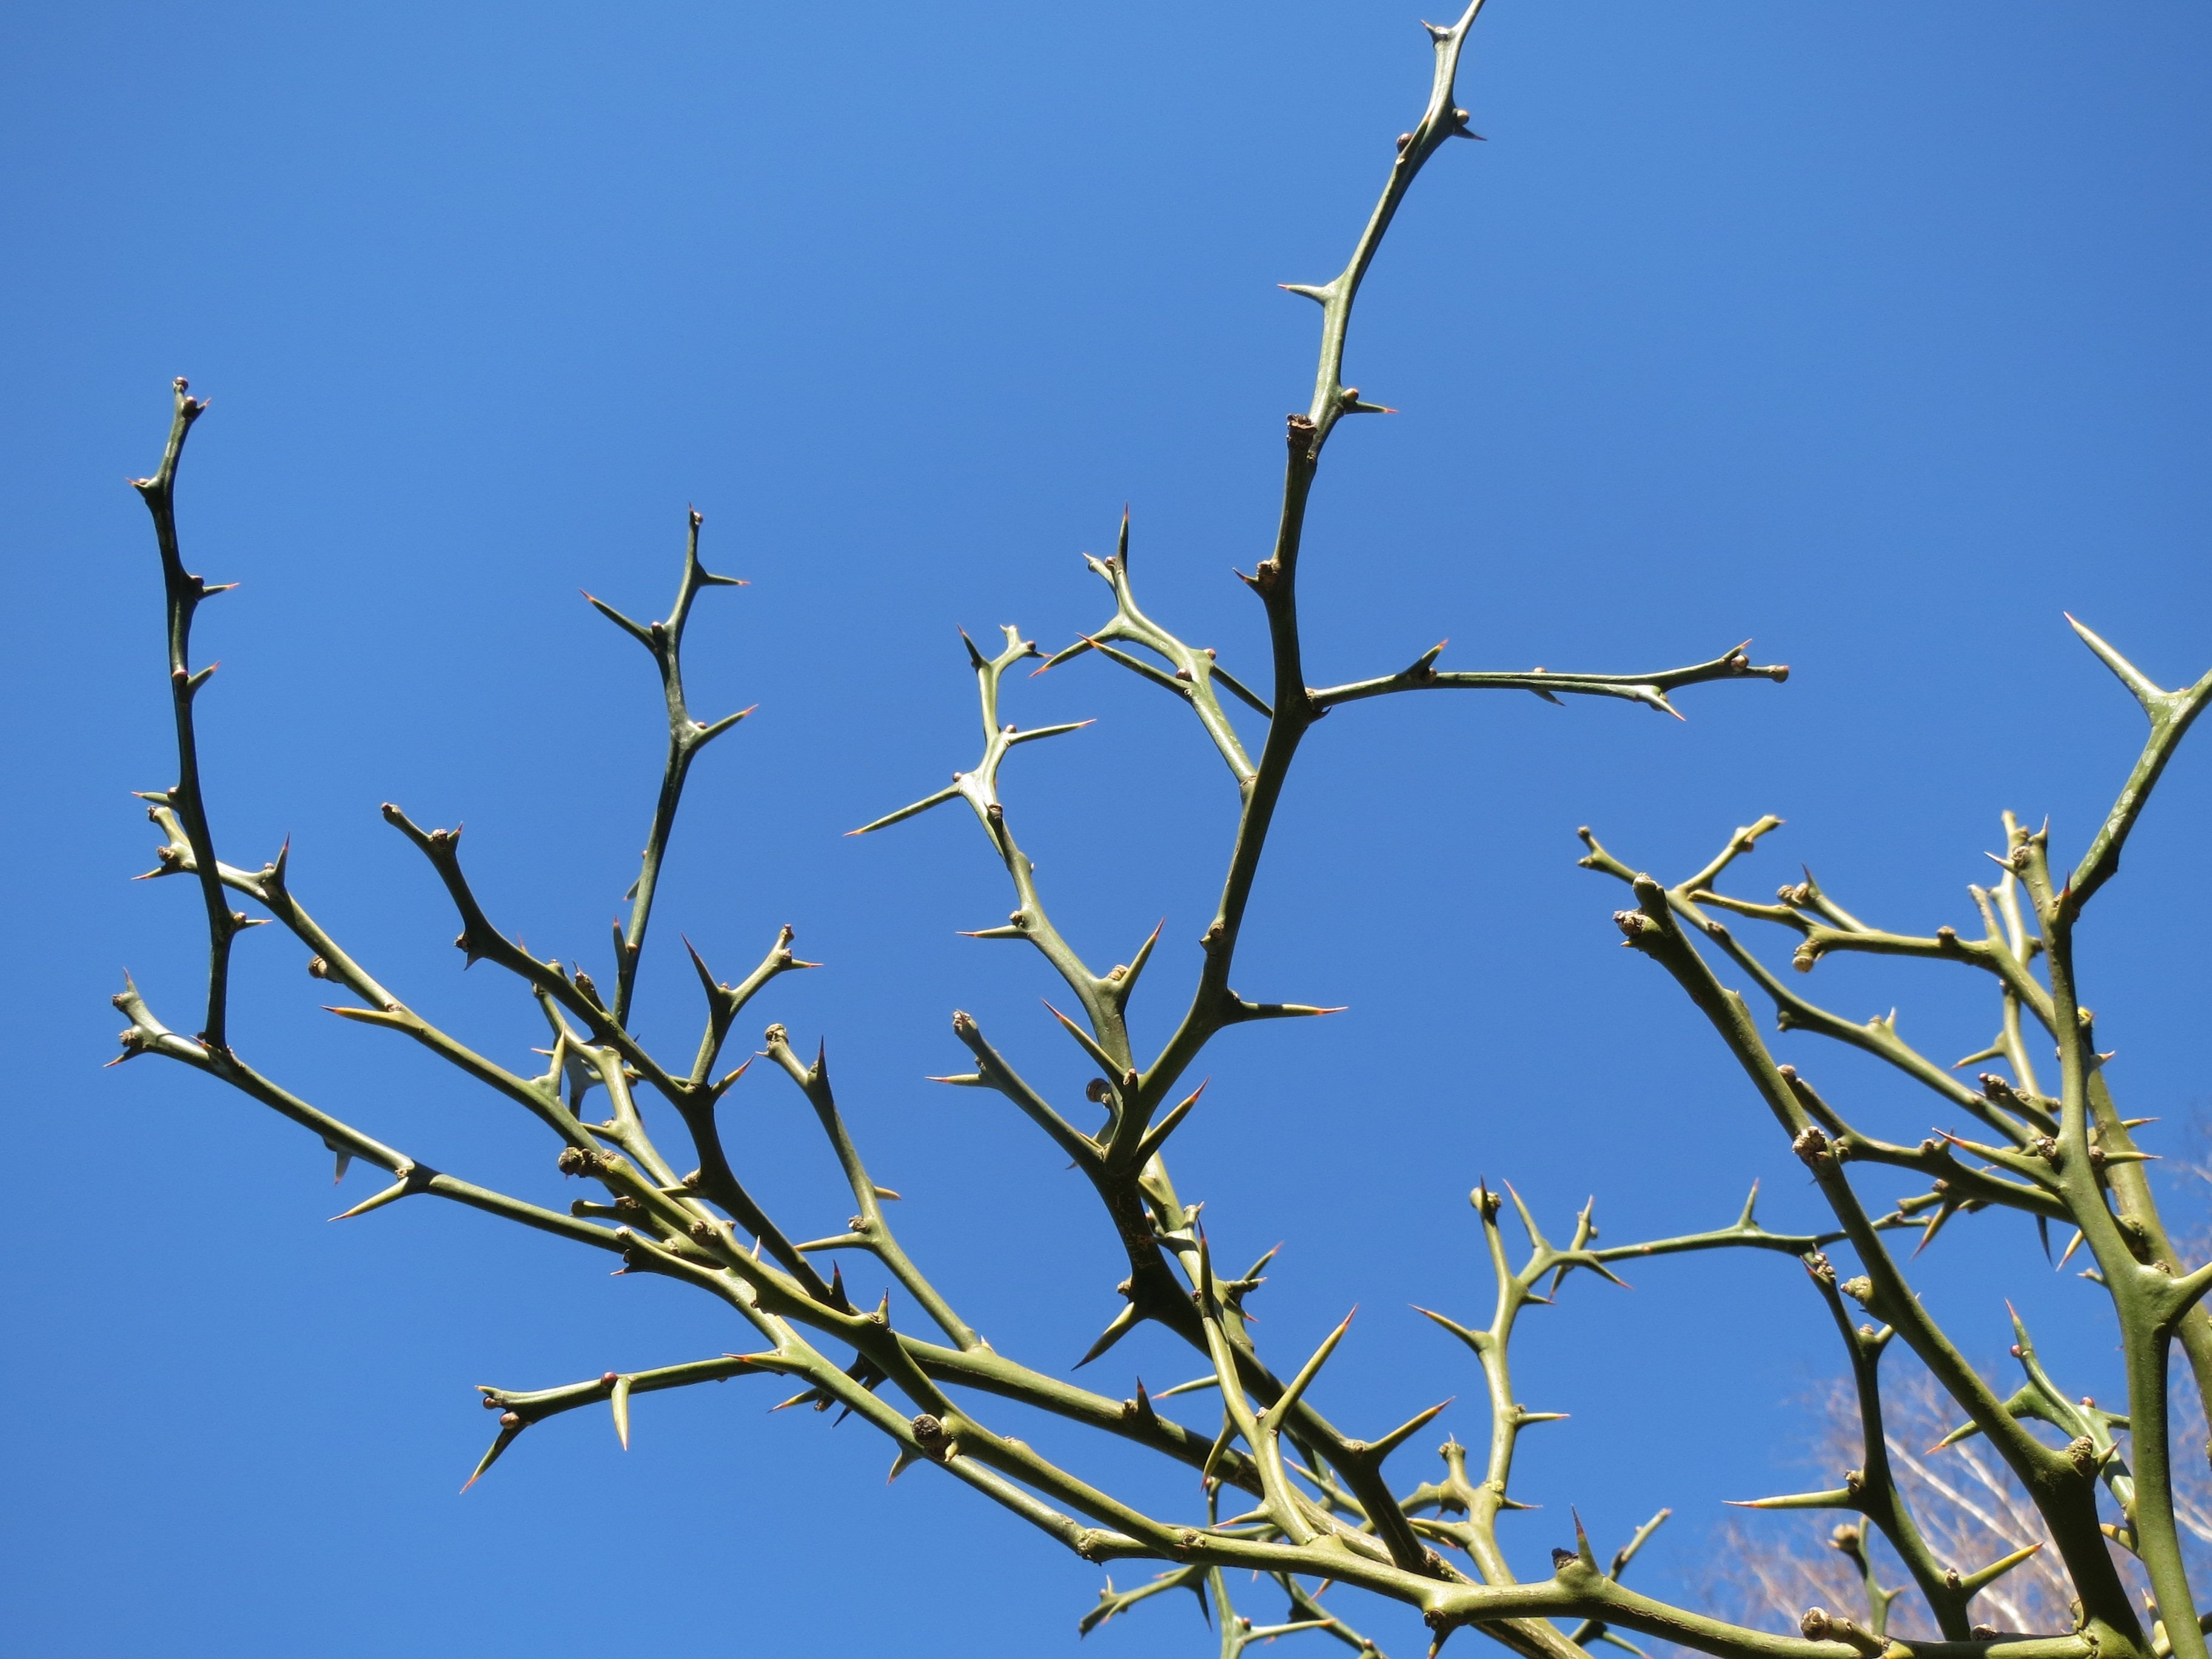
(1878, 333)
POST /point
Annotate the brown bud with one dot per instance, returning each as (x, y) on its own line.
(318, 968)
(1814, 1625)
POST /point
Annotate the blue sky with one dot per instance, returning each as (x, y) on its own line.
(1875, 333)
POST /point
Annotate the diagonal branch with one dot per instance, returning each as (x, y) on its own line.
(686, 737)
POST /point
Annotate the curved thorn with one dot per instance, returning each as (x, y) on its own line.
(618, 1403)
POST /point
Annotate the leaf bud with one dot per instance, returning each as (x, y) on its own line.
(1633, 923)
(1860, 1289)
(1814, 1625)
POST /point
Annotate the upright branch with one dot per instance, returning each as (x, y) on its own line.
(183, 591)
(686, 737)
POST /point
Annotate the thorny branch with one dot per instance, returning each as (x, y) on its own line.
(2070, 1158)
(1323, 1510)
